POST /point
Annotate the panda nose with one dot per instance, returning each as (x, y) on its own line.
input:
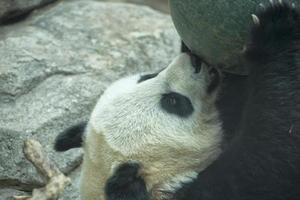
(196, 62)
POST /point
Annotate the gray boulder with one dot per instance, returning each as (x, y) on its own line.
(161, 5)
(55, 65)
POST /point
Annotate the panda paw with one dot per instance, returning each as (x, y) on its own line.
(276, 28)
(126, 183)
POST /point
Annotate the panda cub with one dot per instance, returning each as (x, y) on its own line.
(148, 134)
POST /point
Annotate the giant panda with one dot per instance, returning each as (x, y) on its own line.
(261, 123)
(260, 157)
(154, 131)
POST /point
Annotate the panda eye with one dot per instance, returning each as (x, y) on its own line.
(175, 103)
(172, 101)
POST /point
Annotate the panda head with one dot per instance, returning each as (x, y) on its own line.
(173, 108)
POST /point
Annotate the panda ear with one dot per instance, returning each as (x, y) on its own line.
(215, 79)
(70, 138)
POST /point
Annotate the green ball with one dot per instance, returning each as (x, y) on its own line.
(216, 30)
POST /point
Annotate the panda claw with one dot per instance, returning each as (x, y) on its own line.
(293, 5)
(271, 2)
(261, 5)
(280, 2)
(255, 19)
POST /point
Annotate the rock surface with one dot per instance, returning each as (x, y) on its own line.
(161, 5)
(55, 65)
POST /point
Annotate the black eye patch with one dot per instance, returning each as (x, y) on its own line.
(177, 104)
(147, 77)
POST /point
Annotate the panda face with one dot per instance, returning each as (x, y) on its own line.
(171, 108)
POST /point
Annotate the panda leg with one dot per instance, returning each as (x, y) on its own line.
(70, 138)
(273, 55)
(126, 184)
(263, 161)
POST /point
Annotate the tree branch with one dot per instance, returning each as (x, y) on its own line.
(56, 181)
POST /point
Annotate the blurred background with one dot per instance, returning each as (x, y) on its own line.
(161, 5)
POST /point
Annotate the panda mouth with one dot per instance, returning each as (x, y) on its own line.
(196, 62)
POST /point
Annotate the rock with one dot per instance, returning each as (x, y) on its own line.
(161, 5)
(55, 65)
(10, 10)
(216, 30)
(72, 191)
(6, 194)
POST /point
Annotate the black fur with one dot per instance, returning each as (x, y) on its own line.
(70, 138)
(177, 104)
(262, 162)
(147, 77)
(195, 60)
(184, 48)
(232, 97)
(215, 80)
(126, 184)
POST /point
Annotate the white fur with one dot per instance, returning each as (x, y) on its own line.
(130, 117)
(129, 120)
(177, 181)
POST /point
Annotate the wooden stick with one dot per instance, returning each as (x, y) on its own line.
(56, 181)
